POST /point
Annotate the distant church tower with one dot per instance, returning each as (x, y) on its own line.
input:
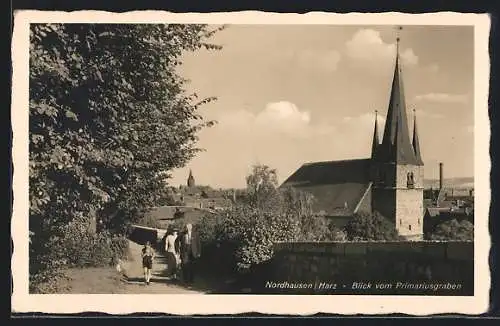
(190, 181)
(397, 168)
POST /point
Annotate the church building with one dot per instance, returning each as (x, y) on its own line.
(390, 182)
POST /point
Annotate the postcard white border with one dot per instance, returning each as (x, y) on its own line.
(180, 304)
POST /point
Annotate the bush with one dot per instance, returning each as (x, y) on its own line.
(336, 234)
(209, 228)
(247, 233)
(259, 234)
(250, 233)
(46, 266)
(454, 230)
(371, 227)
(263, 215)
(120, 247)
(75, 245)
(85, 248)
(318, 228)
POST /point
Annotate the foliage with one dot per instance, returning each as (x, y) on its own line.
(83, 248)
(267, 215)
(78, 246)
(210, 227)
(262, 192)
(297, 202)
(251, 233)
(454, 230)
(318, 228)
(336, 233)
(108, 117)
(312, 227)
(370, 227)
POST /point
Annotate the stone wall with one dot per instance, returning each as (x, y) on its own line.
(407, 268)
(142, 234)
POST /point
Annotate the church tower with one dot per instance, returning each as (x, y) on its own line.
(190, 180)
(397, 167)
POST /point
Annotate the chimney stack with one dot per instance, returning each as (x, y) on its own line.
(440, 176)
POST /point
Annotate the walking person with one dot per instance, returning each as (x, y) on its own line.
(189, 247)
(148, 255)
(172, 254)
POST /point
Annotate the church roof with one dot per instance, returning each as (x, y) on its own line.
(396, 145)
(337, 186)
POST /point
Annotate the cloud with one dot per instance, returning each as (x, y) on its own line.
(367, 45)
(318, 60)
(355, 135)
(433, 68)
(280, 118)
(364, 121)
(283, 115)
(443, 98)
(427, 114)
(279, 135)
(409, 57)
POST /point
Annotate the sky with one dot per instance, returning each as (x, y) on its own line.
(292, 94)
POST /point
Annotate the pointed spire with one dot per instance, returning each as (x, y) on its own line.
(397, 40)
(415, 142)
(376, 141)
(396, 146)
(190, 181)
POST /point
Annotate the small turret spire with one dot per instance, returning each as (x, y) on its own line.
(415, 142)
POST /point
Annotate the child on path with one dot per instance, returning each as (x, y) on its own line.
(148, 255)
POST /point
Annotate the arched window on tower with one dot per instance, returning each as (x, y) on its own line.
(409, 180)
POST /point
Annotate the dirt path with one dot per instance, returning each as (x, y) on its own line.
(129, 279)
(160, 284)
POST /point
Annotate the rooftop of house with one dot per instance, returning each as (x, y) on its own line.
(448, 212)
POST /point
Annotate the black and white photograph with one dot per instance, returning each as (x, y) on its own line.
(251, 158)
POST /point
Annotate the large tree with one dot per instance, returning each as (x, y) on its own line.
(262, 187)
(109, 117)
